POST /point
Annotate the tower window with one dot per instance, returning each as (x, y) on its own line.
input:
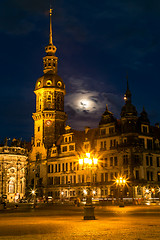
(38, 129)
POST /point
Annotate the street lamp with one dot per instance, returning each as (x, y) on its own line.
(88, 163)
(121, 181)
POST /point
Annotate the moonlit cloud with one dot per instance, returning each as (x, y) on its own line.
(85, 107)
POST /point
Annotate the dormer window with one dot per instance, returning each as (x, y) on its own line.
(145, 128)
(103, 131)
(111, 130)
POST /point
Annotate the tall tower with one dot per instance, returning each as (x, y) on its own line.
(49, 118)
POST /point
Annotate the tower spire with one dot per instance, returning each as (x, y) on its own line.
(50, 32)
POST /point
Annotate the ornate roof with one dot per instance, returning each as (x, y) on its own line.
(107, 117)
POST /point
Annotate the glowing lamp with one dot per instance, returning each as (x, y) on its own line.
(81, 161)
(86, 160)
(85, 191)
(95, 160)
(89, 161)
(33, 192)
(88, 155)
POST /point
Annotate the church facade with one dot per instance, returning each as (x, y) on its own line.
(61, 162)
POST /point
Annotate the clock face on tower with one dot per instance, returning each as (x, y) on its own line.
(48, 123)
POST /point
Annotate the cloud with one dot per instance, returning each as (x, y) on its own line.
(85, 107)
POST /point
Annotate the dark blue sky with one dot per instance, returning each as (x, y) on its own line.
(97, 42)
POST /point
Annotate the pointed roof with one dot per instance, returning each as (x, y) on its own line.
(144, 117)
(128, 110)
(107, 117)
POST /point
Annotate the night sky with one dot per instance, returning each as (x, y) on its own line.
(98, 43)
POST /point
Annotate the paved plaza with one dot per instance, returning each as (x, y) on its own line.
(66, 222)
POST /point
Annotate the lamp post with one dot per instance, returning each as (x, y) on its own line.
(121, 181)
(89, 164)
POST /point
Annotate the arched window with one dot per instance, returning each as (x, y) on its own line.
(11, 186)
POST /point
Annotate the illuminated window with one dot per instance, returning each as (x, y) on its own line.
(11, 187)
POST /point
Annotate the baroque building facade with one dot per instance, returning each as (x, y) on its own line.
(127, 147)
(13, 165)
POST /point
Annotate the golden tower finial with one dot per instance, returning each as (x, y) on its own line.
(50, 32)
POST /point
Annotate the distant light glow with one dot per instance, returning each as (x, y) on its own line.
(95, 160)
(80, 161)
(88, 155)
(85, 192)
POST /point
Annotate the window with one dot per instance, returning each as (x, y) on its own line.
(62, 167)
(55, 167)
(158, 163)
(111, 161)
(151, 176)
(66, 179)
(38, 144)
(125, 159)
(71, 179)
(62, 180)
(111, 130)
(103, 131)
(147, 160)
(141, 142)
(70, 166)
(59, 167)
(102, 177)
(70, 139)
(56, 180)
(111, 176)
(82, 178)
(144, 129)
(148, 176)
(106, 177)
(74, 177)
(71, 147)
(65, 139)
(149, 144)
(137, 175)
(38, 129)
(103, 145)
(50, 180)
(79, 178)
(64, 149)
(116, 174)
(115, 161)
(66, 166)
